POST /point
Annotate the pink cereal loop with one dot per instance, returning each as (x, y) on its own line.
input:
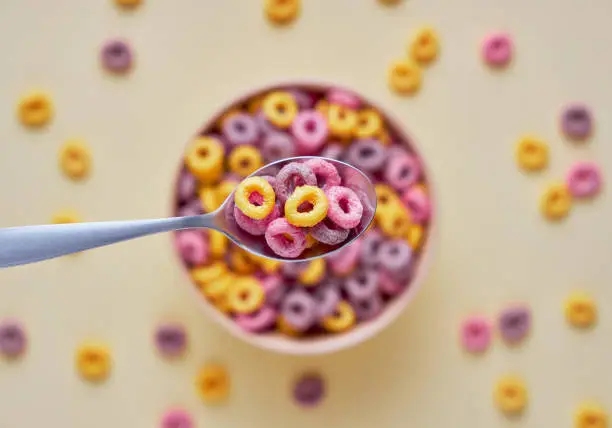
(476, 334)
(584, 179)
(177, 418)
(309, 128)
(345, 260)
(417, 202)
(344, 98)
(277, 235)
(192, 245)
(258, 321)
(497, 50)
(345, 208)
(325, 172)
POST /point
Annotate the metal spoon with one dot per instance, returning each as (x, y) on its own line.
(29, 244)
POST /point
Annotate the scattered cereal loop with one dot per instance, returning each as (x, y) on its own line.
(532, 153)
(404, 77)
(35, 109)
(282, 12)
(475, 334)
(128, 4)
(590, 415)
(213, 383)
(580, 310)
(171, 340)
(389, 2)
(13, 339)
(514, 323)
(66, 216)
(116, 56)
(93, 362)
(510, 395)
(425, 46)
(556, 202)
(497, 50)
(309, 389)
(584, 180)
(576, 122)
(75, 159)
(177, 418)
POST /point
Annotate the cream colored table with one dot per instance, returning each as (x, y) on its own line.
(192, 56)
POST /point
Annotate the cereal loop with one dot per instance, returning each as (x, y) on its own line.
(590, 415)
(584, 180)
(285, 239)
(93, 362)
(280, 109)
(577, 122)
(128, 3)
(282, 11)
(244, 160)
(345, 208)
(205, 274)
(213, 383)
(246, 295)
(425, 46)
(341, 320)
(204, 158)
(306, 206)
(75, 159)
(531, 154)
(405, 77)
(556, 202)
(342, 121)
(395, 222)
(13, 339)
(510, 395)
(66, 216)
(497, 50)
(476, 334)
(177, 418)
(580, 310)
(314, 273)
(262, 207)
(369, 124)
(35, 109)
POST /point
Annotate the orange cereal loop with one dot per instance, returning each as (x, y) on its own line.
(415, 236)
(213, 383)
(66, 216)
(282, 11)
(240, 262)
(254, 104)
(35, 109)
(128, 3)
(280, 108)
(75, 159)
(93, 362)
(322, 107)
(425, 46)
(590, 415)
(205, 274)
(531, 153)
(342, 121)
(369, 124)
(285, 328)
(204, 159)
(556, 202)
(395, 222)
(384, 137)
(405, 77)
(244, 160)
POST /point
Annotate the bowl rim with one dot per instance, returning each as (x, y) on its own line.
(361, 333)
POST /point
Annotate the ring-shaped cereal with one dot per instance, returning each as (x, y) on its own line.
(425, 46)
(415, 236)
(204, 158)
(369, 124)
(213, 383)
(405, 77)
(66, 216)
(395, 221)
(385, 195)
(580, 310)
(590, 415)
(246, 295)
(244, 194)
(35, 109)
(556, 202)
(75, 159)
(341, 320)
(240, 263)
(93, 362)
(282, 11)
(531, 154)
(205, 274)
(510, 395)
(341, 120)
(244, 160)
(280, 108)
(304, 195)
(218, 243)
(314, 273)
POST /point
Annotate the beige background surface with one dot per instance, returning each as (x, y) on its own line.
(192, 56)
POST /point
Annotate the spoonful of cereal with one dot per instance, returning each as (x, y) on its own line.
(293, 209)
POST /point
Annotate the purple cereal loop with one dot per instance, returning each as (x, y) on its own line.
(514, 323)
(309, 128)
(403, 172)
(279, 244)
(395, 255)
(186, 186)
(328, 232)
(13, 339)
(258, 321)
(325, 172)
(265, 127)
(277, 145)
(369, 250)
(584, 180)
(192, 207)
(344, 98)
(177, 418)
(303, 99)
(309, 389)
(327, 296)
(388, 285)
(367, 309)
(274, 289)
(192, 246)
(239, 129)
(116, 56)
(171, 340)
(333, 151)
(298, 310)
(292, 175)
(252, 226)
(368, 155)
(361, 285)
(417, 202)
(577, 122)
(294, 269)
(368, 209)
(344, 260)
(345, 208)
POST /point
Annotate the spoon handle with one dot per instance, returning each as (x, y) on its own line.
(29, 244)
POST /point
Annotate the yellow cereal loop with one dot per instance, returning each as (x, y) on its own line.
(208, 197)
(385, 195)
(128, 3)
(254, 104)
(217, 288)
(342, 320)
(395, 221)
(342, 121)
(204, 158)
(590, 415)
(531, 154)
(369, 124)
(204, 274)
(75, 159)
(510, 394)
(244, 160)
(35, 109)
(313, 196)
(245, 295)
(285, 328)
(556, 202)
(250, 186)
(580, 310)
(425, 46)
(282, 11)
(280, 108)
(213, 383)
(224, 189)
(218, 243)
(93, 362)
(269, 266)
(240, 263)
(415, 236)
(314, 273)
(310, 241)
(404, 77)
(322, 107)
(66, 216)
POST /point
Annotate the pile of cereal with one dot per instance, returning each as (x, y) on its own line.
(323, 296)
